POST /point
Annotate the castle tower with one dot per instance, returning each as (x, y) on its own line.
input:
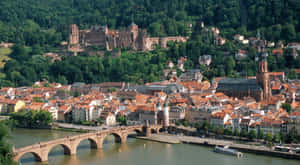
(166, 113)
(134, 30)
(73, 35)
(262, 76)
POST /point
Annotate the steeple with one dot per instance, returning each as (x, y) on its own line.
(262, 75)
(166, 112)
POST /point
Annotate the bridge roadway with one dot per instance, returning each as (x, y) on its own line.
(70, 143)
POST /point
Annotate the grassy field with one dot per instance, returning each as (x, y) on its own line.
(4, 52)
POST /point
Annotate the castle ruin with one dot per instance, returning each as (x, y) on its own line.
(106, 39)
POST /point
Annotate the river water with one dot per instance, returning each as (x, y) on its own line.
(135, 152)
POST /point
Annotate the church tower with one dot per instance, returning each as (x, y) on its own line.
(262, 75)
(166, 113)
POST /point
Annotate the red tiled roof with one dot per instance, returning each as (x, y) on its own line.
(276, 73)
(278, 52)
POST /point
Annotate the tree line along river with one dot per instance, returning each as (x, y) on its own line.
(134, 152)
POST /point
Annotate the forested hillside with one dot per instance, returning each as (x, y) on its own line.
(46, 22)
(39, 26)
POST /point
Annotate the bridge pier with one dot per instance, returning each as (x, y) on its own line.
(157, 130)
(124, 138)
(147, 131)
(73, 150)
(44, 160)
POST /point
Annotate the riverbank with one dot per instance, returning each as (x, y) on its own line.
(70, 130)
(259, 150)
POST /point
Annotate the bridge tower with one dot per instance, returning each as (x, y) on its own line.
(166, 113)
(147, 129)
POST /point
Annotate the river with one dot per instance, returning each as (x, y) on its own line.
(135, 152)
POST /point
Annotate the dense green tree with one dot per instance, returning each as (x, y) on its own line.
(291, 137)
(268, 137)
(19, 53)
(29, 22)
(286, 107)
(5, 147)
(32, 119)
(230, 64)
(236, 132)
(155, 29)
(228, 131)
(213, 129)
(252, 135)
(260, 134)
(121, 120)
(289, 32)
(277, 138)
(205, 126)
(244, 133)
(185, 123)
(40, 26)
(292, 74)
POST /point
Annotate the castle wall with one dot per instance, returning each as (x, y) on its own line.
(150, 42)
(140, 40)
(125, 39)
(132, 37)
(165, 40)
(95, 38)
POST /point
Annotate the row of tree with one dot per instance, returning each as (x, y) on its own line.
(31, 119)
(207, 128)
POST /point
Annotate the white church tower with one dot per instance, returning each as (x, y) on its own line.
(166, 113)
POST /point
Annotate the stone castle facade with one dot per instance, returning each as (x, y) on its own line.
(102, 37)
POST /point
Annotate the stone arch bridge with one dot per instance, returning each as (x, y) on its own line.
(70, 143)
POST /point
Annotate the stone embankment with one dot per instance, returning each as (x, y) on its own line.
(260, 150)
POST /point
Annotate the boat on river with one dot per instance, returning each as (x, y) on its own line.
(228, 151)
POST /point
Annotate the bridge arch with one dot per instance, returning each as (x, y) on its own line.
(118, 137)
(67, 149)
(37, 157)
(138, 131)
(93, 142)
(153, 130)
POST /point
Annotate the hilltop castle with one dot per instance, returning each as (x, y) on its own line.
(104, 38)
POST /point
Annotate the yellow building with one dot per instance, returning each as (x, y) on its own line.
(15, 105)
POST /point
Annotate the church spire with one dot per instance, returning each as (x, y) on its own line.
(262, 75)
